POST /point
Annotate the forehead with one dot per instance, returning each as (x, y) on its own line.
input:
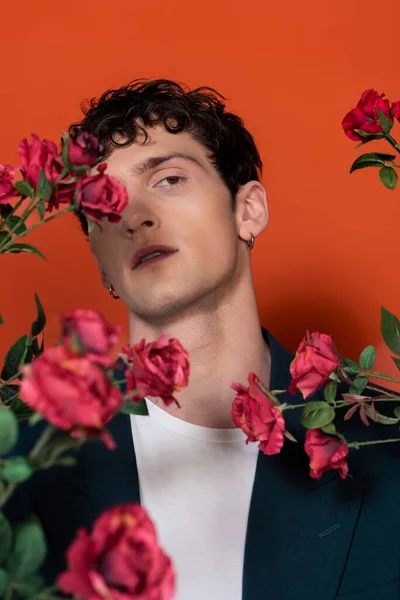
(159, 143)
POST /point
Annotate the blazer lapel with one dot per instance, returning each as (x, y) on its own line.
(110, 477)
(299, 529)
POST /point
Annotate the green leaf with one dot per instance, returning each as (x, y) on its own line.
(4, 236)
(7, 392)
(385, 157)
(17, 469)
(5, 210)
(71, 179)
(358, 385)
(350, 365)
(41, 208)
(17, 248)
(135, 408)
(289, 436)
(25, 189)
(390, 330)
(371, 159)
(30, 585)
(29, 551)
(384, 121)
(329, 429)
(34, 419)
(396, 361)
(64, 151)
(44, 187)
(1, 320)
(15, 357)
(8, 430)
(16, 222)
(397, 412)
(39, 324)
(369, 136)
(4, 579)
(317, 414)
(389, 177)
(383, 419)
(330, 391)
(6, 536)
(21, 410)
(367, 358)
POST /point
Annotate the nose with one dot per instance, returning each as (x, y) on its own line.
(134, 218)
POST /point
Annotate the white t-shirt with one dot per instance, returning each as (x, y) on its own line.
(196, 483)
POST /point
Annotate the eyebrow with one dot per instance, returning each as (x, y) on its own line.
(154, 161)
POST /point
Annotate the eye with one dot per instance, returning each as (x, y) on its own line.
(172, 180)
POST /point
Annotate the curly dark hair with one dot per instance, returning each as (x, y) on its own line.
(200, 112)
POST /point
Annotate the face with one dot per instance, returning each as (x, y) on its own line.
(181, 202)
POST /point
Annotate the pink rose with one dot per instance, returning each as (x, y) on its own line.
(101, 196)
(326, 452)
(7, 189)
(36, 155)
(73, 394)
(157, 368)
(120, 560)
(313, 364)
(258, 416)
(85, 149)
(396, 109)
(365, 117)
(86, 333)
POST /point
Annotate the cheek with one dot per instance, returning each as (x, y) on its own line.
(103, 249)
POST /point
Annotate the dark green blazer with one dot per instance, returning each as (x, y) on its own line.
(306, 539)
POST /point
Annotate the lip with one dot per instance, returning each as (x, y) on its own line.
(146, 250)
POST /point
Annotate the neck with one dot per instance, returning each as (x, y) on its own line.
(224, 342)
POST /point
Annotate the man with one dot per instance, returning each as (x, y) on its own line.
(237, 524)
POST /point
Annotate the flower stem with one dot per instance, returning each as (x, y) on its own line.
(42, 441)
(374, 374)
(7, 494)
(346, 403)
(371, 443)
(381, 390)
(24, 216)
(392, 142)
(18, 204)
(9, 593)
(17, 237)
(4, 383)
(46, 593)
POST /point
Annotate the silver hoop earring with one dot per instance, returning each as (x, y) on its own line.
(250, 243)
(112, 293)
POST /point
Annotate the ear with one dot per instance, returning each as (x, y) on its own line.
(252, 212)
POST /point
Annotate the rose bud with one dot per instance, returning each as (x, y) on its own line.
(73, 394)
(157, 369)
(101, 197)
(86, 333)
(7, 189)
(326, 452)
(84, 150)
(364, 116)
(313, 364)
(120, 559)
(257, 415)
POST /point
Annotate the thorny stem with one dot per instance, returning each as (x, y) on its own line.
(17, 237)
(392, 142)
(42, 441)
(371, 443)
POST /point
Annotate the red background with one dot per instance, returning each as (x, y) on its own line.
(329, 258)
